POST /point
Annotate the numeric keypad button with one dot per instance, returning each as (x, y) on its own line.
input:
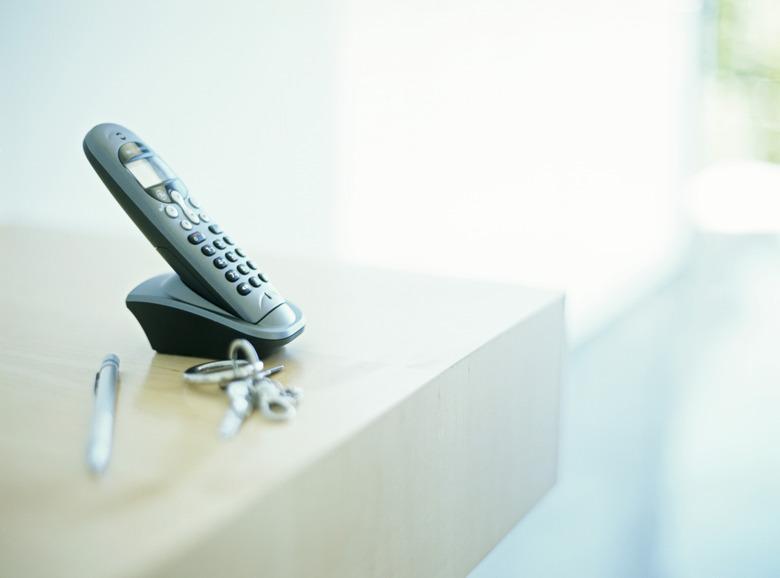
(255, 282)
(251, 265)
(231, 275)
(243, 269)
(219, 244)
(220, 263)
(228, 240)
(171, 211)
(208, 250)
(186, 225)
(243, 289)
(240, 252)
(196, 238)
(230, 256)
(263, 278)
(216, 229)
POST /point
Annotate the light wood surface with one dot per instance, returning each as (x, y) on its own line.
(429, 424)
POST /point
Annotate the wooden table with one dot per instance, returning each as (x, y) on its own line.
(429, 425)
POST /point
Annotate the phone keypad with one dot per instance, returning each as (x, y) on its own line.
(244, 274)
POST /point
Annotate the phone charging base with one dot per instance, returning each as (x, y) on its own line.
(178, 321)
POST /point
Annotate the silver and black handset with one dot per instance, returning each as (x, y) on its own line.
(218, 286)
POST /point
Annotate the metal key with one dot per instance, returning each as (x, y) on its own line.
(242, 403)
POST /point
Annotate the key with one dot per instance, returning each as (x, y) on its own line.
(275, 402)
(295, 394)
(241, 405)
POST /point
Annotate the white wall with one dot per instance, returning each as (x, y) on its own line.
(525, 141)
(235, 96)
(521, 141)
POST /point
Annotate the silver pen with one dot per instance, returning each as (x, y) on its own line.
(100, 438)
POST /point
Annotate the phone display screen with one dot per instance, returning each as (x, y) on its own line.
(150, 171)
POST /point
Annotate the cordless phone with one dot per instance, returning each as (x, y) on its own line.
(206, 258)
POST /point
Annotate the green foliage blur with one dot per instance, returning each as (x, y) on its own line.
(745, 66)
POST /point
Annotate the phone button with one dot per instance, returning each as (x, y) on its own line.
(196, 238)
(243, 289)
(159, 193)
(243, 269)
(228, 240)
(255, 282)
(231, 275)
(179, 200)
(240, 253)
(216, 229)
(230, 256)
(220, 263)
(263, 277)
(186, 225)
(194, 203)
(171, 211)
(208, 250)
(219, 244)
(250, 264)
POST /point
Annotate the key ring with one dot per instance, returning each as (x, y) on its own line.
(227, 370)
(220, 372)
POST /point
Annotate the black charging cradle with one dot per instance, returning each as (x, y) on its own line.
(178, 321)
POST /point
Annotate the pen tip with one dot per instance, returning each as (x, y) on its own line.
(97, 461)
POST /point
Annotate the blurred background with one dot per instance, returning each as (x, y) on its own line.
(620, 150)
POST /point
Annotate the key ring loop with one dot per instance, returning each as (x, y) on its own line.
(249, 354)
(224, 371)
(220, 372)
